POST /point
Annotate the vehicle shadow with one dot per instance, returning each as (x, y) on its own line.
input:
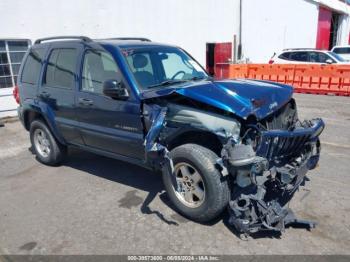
(130, 175)
(123, 173)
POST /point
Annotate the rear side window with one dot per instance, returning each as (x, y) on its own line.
(299, 56)
(342, 50)
(32, 66)
(61, 67)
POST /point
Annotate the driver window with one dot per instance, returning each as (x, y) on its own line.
(322, 58)
(314, 58)
(318, 57)
(172, 64)
(98, 66)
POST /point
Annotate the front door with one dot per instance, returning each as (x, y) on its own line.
(107, 124)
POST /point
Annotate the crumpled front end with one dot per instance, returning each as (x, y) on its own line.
(265, 160)
(268, 166)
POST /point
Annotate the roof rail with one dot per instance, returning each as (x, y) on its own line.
(83, 38)
(129, 38)
(299, 49)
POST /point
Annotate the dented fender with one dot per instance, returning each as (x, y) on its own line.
(172, 120)
(156, 154)
(181, 119)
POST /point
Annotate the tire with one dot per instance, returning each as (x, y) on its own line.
(196, 158)
(55, 152)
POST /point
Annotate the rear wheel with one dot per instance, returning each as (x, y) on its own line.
(198, 191)
(47, 149)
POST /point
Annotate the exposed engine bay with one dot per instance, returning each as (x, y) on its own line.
(265, 160)
(269, 166)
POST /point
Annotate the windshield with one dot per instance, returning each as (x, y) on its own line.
(337, 57)
(162, 66)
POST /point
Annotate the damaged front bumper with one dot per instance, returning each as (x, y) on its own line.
(266, 167)
(266, 177)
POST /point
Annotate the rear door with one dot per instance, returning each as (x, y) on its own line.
(299, 57)
(106, 124)
(57, 90)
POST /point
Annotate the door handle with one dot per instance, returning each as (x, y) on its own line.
(85, 101)
(44, 94)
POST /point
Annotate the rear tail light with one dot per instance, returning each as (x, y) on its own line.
(16, 94)
(271, 61)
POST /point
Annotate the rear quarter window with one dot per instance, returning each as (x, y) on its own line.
(285, 56)
(32, 66)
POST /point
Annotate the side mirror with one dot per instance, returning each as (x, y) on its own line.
(329, 61)
(115, 89)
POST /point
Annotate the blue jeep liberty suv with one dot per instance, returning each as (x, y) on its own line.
(235, 144)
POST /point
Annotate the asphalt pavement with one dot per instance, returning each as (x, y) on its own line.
(96, 205)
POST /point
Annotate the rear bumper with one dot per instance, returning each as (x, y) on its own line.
(20, 114)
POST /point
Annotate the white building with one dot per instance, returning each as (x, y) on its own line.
(272, 25)
(261, 27)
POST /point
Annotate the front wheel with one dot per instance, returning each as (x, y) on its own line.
(200, 192)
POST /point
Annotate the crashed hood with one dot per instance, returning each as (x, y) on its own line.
(240, 97)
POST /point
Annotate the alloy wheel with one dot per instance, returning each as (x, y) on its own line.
(190, 185)
(42, 143)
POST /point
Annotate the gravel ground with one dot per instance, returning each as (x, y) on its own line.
(97, 205)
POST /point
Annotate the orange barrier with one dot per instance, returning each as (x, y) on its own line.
(314, 79)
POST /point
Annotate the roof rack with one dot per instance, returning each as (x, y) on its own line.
(299, 49)
(83, 38)
(129, 38)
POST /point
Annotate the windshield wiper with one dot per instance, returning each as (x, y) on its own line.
(172, 81)
(168, 82)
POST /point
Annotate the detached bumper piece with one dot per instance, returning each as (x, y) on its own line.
(267, 178)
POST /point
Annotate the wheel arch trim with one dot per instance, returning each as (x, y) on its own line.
(32, 112)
